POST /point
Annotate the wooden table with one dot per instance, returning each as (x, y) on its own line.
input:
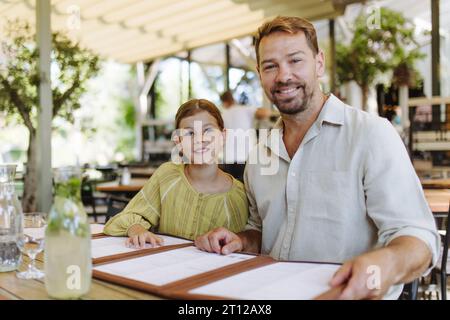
(145, 172)
(14, 288)
(435, 183)
(438, 200)
(134, 187)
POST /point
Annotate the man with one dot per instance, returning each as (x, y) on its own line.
(241, 135)
(345, 190)
(236, 116)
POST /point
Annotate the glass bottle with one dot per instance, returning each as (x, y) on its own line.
(67, 254)
(126, 177)
(10, 220)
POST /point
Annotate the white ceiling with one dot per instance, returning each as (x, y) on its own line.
(141, 30)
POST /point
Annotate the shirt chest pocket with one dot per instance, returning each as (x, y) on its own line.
(328, 195)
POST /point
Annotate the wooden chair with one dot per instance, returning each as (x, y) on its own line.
(410, 291)
(95, 204)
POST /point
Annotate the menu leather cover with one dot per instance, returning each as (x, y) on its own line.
(180, 289)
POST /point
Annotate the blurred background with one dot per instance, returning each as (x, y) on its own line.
(118, 70)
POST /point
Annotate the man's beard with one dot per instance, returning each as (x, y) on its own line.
(295, 104)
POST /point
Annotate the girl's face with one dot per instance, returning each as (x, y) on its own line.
(200, 138)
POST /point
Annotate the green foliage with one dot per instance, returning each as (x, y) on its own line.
(128, 113)
(160, 100)
(126, 123)
(376, 49)
(67, 211)
(69, 189)
(72, 66)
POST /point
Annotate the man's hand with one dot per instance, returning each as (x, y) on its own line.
(370, 275)
(219, 240)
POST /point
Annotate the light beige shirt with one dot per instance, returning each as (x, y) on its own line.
(349, 188)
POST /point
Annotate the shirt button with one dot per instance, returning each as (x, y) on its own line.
(293, 174)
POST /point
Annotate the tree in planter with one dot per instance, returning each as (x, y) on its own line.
(375, 49)
(72, 66)
(404, 77)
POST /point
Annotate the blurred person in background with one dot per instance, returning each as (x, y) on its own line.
(239, 121)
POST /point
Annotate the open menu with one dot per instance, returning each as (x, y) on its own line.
(177, 269)
(189, 273)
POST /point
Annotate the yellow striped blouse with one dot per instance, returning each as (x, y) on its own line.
(169, 204)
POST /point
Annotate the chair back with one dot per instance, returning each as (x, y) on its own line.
(87, 192)
(446, 241)
(410, 291)
(115, 204)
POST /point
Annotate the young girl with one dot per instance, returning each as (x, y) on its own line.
(190, 198)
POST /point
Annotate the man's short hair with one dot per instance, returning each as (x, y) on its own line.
(291, 25)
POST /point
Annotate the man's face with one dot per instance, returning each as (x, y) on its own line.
(289, 70)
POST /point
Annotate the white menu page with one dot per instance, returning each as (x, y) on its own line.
(169, 266)
(282, 280)
(102, 247)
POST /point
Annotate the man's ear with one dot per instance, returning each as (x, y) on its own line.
(320, 64)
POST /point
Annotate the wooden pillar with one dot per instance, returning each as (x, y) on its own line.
(435, 62)
(227, 66)
(332, 56)
(44, 129)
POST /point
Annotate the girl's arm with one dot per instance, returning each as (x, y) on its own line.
(143, 210)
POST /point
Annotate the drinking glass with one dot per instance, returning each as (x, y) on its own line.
(31, 242)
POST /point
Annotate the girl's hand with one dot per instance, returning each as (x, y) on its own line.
(138, 236)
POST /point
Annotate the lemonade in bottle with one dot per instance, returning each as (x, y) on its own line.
(67, 254)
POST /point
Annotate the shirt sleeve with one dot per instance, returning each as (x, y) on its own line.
(254, 220)
(144, 209)
(394, 195)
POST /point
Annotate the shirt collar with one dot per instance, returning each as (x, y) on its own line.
(333, 111)
(274, 140)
